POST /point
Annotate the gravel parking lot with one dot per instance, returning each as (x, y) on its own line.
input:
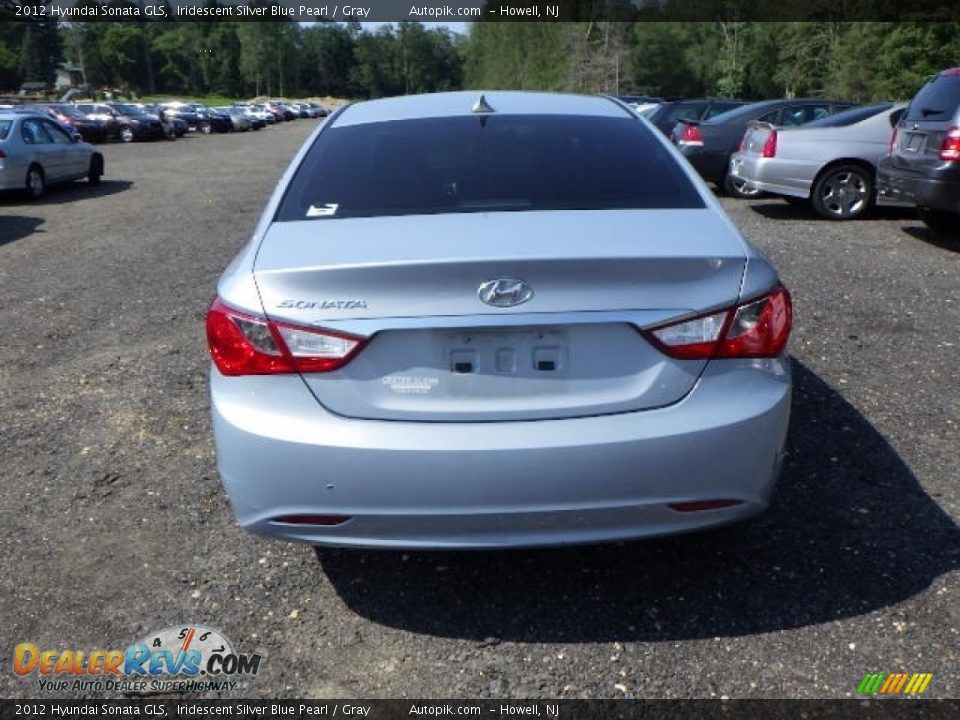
(113, 524)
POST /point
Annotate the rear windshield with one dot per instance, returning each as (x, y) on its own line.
(849, 117)
(741, 112)
(490, 163)
(5, 128)
(936, 101)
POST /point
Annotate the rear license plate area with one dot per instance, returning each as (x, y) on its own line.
(530, 353)
(914, 141)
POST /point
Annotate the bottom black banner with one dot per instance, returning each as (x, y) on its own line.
(873, 709)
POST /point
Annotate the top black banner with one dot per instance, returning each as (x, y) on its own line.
(483, 10)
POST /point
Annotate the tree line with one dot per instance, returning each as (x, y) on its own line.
(861, 61)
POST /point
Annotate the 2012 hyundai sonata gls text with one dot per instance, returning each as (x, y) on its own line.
(514, 319)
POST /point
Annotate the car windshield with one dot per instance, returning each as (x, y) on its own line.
(490, 163)
(127, 109)
(68, 111)
(5, 128)
(937, 101)
(849, 117)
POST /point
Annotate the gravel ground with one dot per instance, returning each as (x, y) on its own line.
(113, 524)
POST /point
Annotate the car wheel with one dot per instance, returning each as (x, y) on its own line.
(96, 170)
(844, 192)
(36, 182)
(206, 128)
(739, 188)
(126, 133)
(939, 219)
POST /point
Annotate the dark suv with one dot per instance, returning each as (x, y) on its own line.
(923, 166)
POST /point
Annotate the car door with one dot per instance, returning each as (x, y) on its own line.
(40, 147)
(70, 155)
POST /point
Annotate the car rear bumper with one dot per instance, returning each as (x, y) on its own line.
(477, 485)
(940, 189)
(774, 176)
(712, 166)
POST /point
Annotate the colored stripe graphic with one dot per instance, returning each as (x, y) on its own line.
(927, 677)
(894, 683)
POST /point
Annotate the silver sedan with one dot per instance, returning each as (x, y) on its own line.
(36, 152)
(507, 319)
(831, 162)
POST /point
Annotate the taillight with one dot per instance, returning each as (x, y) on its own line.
(893, 140)
(690, 136)
(770, 145)
(756, 329)
(950, 150)
(245, 344)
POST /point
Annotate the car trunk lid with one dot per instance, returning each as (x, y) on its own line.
(437, 352)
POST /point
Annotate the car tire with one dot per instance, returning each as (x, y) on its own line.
(940, 220)
(126, 134)
(206, 128)
(735, 187)
(843, 192)
(96, 170)
(35, 182)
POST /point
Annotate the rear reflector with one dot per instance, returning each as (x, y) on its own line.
(311, 519)
(756, 329)
(698, 505)
(893, 140)
(244, 344)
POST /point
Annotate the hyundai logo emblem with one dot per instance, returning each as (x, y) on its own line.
(505, 292)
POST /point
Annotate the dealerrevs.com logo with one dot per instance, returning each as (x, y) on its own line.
(188, 658)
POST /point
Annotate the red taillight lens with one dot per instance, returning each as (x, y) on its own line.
(690, 136)
(756, 329)
(893, 140)
(770, 145)
(950, 150)
(245, 344)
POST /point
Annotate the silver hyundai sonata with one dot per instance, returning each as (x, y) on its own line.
(492, 320)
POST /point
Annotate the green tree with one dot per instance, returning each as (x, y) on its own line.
(41, 51)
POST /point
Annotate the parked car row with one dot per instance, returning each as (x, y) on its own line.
(46, 143)
(841, 159)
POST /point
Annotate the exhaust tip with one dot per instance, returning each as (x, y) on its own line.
(700, 505)
(324, 520)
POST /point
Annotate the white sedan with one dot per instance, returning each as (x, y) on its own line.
(36, 152)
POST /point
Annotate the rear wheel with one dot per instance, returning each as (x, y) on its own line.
(844, 192)
(126, 133)
(96, 170)
(36, 182)
(939, 219)
(738, 187)
(206, 128)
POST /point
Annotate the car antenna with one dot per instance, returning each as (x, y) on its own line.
(481, 106)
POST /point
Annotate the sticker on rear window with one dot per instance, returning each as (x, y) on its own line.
(323, 210)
